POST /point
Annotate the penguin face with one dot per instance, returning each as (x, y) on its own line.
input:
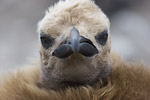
(75, 42)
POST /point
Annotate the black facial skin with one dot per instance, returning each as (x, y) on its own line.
(75, 43)
(46, 40)
(102, 37)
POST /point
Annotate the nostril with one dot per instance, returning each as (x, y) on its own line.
(66, 41)
(85, 40)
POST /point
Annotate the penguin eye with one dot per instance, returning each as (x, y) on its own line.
(101, 38)
(47, 41)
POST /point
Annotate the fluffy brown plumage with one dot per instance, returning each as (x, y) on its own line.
(126, 82)
(75, 75)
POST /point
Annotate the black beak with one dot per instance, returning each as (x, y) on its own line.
(75, 44)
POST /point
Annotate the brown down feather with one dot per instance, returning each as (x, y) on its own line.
(125, 81)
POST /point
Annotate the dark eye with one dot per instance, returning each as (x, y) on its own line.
(101, 38)
(47, 41)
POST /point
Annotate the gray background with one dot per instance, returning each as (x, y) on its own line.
(130, 30)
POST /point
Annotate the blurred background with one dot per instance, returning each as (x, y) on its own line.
(130, 29)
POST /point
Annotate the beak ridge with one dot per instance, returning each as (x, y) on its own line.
(75, 39)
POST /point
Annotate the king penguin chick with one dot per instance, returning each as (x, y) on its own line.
(76, 61)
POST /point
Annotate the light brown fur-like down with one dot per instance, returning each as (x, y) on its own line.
(126, 82)
(115, 79)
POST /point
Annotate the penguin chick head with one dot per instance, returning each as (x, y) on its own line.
(74, 44)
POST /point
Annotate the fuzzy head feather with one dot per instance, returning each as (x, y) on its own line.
(74, 44)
